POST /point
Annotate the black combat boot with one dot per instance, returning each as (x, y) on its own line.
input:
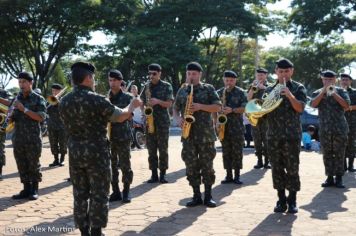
(1, 172)
(328, 182)
(34, 191)
(116, 194)
(126, 193)
(351, 165)
(162, 178)
(292, 202)
(208, 199)
(55, 162)
(228, 179)
(96, 232)
(259, 164)
(237, 177)
(25, 193)
(84, 231)
(281, 205)
(338, 182)
(61, 161)
(154, 177)
(266, 165)
(196, 200)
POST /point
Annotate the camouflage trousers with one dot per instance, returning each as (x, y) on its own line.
(158, 141)
(58, 141)
(90, 174)
(2, 149)
(232, 149)
(27, 158)
(120, 157)
(260, 139)
(351, 144)
(333, 148)
(199, 159)
(284, 157)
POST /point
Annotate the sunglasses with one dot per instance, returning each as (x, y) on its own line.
(152, 73)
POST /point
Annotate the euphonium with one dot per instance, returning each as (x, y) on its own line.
(189, 119)
(222, 119)
(330, 90)
(54, 100)
(149, 111)
(7, 125)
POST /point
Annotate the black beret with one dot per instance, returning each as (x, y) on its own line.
(194, 66)
(262, 70)
(57, 86)
(115, 74)
(284, 63)
(328, 74)
(25, 75)
(230, 74)
(344, 75)
(83, 66)
(155, 67)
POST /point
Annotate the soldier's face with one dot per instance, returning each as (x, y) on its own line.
(328, 81)
(55, 91)
(154, 76)
(229, 82)
(25, 85)
(261, 77)
(114, 84)
(345, 82)
(193, 76)
(284, 73)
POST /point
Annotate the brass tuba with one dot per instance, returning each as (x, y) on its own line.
(149, 110)
(222, 118)
(54, 100)
(189, 119)
(257, 108)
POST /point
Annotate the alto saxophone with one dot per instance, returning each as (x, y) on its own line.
(149, 111)
(222, 119)
(189, 119)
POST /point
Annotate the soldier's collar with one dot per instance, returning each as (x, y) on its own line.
(82, 87)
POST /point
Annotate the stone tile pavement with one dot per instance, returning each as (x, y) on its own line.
(158, 209)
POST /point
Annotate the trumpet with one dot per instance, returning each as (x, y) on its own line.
(254, 87)
(330, 90)
(54, 100)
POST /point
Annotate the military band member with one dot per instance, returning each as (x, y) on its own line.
(161, 98)
(120, 140)
(234, 139)
(259, 131)
(85, 116)
(198, 151)
(3, 94)
(350, 114)
(27, 140)
(56, 132)
(284, 136)
(331, 102)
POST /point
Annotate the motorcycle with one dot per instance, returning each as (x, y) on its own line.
(138, 135)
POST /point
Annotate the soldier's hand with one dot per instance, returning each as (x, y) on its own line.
(286, 92)
(227, 110)
(19, 106)
(136, 102)
(195, 107)
(154, 101)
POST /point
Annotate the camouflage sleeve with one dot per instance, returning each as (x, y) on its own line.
(301, 94)
(213, 96)
(107, 109)
(179, 100)
(42, 108)
(343, 93)
(243, 99)
(169, 93)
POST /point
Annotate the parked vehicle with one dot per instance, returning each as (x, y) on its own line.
(310, 117)
(138, 135)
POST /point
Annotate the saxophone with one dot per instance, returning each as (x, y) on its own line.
(149, 111)
(189, 119)
(222, 118)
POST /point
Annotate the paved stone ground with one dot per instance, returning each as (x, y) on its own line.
(159, 209)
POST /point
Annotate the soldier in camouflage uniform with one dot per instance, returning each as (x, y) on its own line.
(85, 116)
(56, 132)
(284, 136)
(350, 114)
(3, 94)
(333, 128)
(234, 139)
(259, 131)
(27, 141)
(161, 93)
(120, 140)
(198, 151)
